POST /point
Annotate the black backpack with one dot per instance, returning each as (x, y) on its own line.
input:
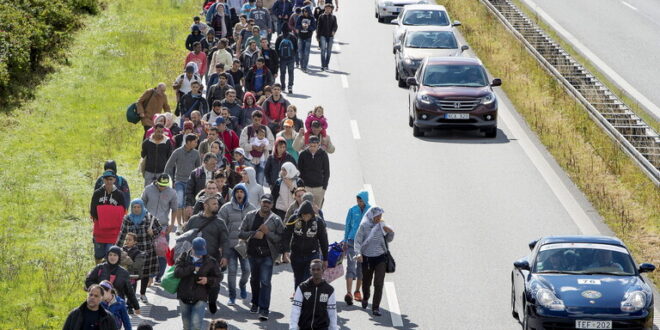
(286, 48)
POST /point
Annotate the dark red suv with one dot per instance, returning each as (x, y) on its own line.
(452, 92)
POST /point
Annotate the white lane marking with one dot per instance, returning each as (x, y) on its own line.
(393, 303)
(572, 207)
(344, 81)
(629, 5)
(355, 129)
(609, 72)
(370, 190)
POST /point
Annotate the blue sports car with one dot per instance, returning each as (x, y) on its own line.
(580, 282)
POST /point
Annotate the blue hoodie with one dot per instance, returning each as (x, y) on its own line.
(118, 310)
(354, 216)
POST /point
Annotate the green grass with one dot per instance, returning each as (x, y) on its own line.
(53, 148)
(622, 194)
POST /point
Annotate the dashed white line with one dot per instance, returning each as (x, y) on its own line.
(370, 190)
(355, 129)
(393, 303)
(629, 5)
(344, 81)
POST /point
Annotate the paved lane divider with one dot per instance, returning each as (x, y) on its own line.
(355, 129)
(393, 303)
(629, 5)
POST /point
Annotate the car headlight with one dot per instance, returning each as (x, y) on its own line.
(407, 60)
(547, 299)
(635, 301)
(488, 99)
(388, 3)
(424, 98)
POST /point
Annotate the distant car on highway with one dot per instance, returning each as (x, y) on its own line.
(420, 15)
(452, 92)
(581, 282)
(420, 42)
(389, 9)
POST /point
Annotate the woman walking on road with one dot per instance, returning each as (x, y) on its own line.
(371, 245)
(119, 277)
(145, 227)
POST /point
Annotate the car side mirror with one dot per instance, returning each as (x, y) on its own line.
(532, 244)
(496, 82)
(646, 268)
(464, 48)
(521, 264)
(397, 47)
(456, 23)
(395, 21)
(411, 81)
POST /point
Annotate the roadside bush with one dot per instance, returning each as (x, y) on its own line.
(31, 31)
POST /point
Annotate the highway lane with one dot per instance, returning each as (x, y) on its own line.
(624, 34)
(463, 207)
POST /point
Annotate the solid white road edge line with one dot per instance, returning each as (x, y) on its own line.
(393, 303)
(370, 190)
(572, 207)
(344, 81)
(355, 129)
(615, 77)
(629, 5)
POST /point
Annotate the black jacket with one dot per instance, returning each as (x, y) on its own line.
(327, 25)
(273, 167)
(249, 79)
(156, 154)
(306, 237)
(272, 59)
(188, 104)
(121, 284)
(100, 197)
(293, 40)
(215, 233)
(75, 319)
(196, 182)
(313, 312)
(189, 290)
(192, 38)
(314, 169)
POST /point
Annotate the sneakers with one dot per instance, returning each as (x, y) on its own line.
(348, 299)
(263, 316)
(243, 293)
(232, 302)
(357, 296)
(286, 260)
(376, 312)
(365, 303)
(254, 309)
(143, 298)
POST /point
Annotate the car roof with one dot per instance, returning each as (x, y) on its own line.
(454, 60)
(581, 239)
(430, 28)
(424, 7)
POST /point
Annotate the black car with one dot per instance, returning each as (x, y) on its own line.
(581, 282)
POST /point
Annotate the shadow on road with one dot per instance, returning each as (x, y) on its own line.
(464, 137)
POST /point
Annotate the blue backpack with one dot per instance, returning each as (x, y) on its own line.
(286, 48)
(334, 255)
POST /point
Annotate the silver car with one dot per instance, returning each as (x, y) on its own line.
(421, 15)
(419, 42)
(389, 9)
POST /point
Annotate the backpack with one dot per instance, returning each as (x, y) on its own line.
(286, 48)
(184, 242)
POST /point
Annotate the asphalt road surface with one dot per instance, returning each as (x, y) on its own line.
(623, 34)
(463, 207)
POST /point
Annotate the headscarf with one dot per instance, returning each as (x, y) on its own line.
(116, 250)
(291, 170)
(137, 218)
(169, 119)
(373, 212)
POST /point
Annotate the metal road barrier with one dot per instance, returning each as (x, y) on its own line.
(634, 136)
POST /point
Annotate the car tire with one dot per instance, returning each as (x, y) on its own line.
(513, 302)
(396, 73)
(491, 132)
(410, 121)
(524, 324)
(417, 132)
(402, 82)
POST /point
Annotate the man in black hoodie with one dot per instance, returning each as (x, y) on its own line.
(327, 26)
(120, 183)
(306, 235)
(314, 167)
(314, 305)
(194, 36)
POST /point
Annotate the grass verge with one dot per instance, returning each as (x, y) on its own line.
(616, 187)
(53, 149)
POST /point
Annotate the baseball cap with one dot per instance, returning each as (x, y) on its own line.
(199, 246)
(163, 180)
(240, 151)
(288, 123)
(267, 198)
(314, 139)
(219, 120)
(108, 174)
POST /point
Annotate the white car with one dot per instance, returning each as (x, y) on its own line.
(389, 9)
(421, 15)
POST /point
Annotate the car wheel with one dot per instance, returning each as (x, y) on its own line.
(491, 132)
(410, 121)
(417, 132)
(376, 13)
(380, 19)
(396, 73)
(402, 82)
(525, 326)
(513, 303)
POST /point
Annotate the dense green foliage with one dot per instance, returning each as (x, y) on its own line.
(53, 149)
(30, 31)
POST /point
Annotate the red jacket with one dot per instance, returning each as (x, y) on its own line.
(230, 139)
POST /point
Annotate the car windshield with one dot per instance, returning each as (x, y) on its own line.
(426, 17)
(455, 75)
(584, 258)
(431, 39)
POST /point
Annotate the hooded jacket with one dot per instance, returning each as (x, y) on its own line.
(118, 310)
(250, 78)
(230, 139)
(75, 319)
(275, 110)
(196, 183)
(255, 190)
(306, 33)
(105, 210)
(194, 36)
(274, 164)
(305, 238)
(189, 291)
(215, 233)
(374, 246)
(232, 213)
(117, 275)
(282, 8)
(355, 215)
(246, 113)
(120, 183)
(249, 58)
(156, 154)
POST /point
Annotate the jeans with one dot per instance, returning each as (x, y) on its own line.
(262, 272)
(149, 177)
(101, 249)
(234, 259)
(300, 266)
(326, 50)
(192, 315)
(373, 269)
(180, 187)
(286, 65)
(304, 46)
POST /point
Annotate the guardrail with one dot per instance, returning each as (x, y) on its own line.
(634, 136)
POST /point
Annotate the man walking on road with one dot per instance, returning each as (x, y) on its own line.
(183, 161)
(353, 269)
(286, 46)
(262, 229)
(156, 150)
(327, 26)
(262, 19)
(314, 304)
(198, 178)
(107, 212)
(305, 27)
(91, 315)
(153, 101)
(314, 167)
(160, 200)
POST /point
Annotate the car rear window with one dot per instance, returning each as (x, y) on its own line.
(426, 17)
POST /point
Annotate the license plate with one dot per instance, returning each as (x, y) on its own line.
(457, 116)
(589, 324)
